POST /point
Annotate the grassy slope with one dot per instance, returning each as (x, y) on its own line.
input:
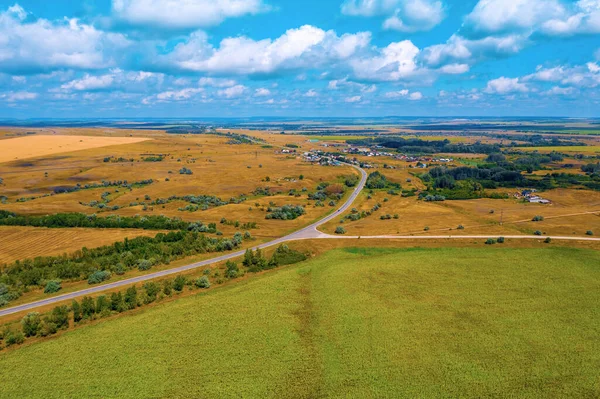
(356, 323)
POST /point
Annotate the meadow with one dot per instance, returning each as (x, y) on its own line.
(354, 322)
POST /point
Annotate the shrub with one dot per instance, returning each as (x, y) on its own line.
(99, 276)
(202, 282)
(589, 233)
(14, 338)
(340, 230)
(500, 240)
(490, 241)
(232, 270)
(31, 324)
(185, 171)
(537, 233)
(76, 311)
(548, 240)
(179, 283)
(537, 218)
(284, 255)
(426, 228)
(52, 286)
(460, 227)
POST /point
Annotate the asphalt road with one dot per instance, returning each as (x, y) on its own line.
(304, 233)
(308, 232)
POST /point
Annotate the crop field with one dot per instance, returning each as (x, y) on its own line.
(353, 322)
(30, 242)
(37, 146)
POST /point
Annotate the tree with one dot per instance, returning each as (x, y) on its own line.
(203, 282)
(76, 311)
(52, 286)
(248, 258)
(340, 230)
(116, 302)
(490, 241)
(60, 317)
(31, 324)
(179, 283)
(103, 305)
(14, 338)
(131, 297)
(537, 218)
(167, 287)
(98, 276)
(232, 270)
(87, 307)
(500, 240)
(152, 290)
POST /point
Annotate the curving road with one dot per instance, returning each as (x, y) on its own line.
(302, 234)
(306, 233)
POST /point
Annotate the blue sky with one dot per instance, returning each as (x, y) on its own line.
(227, 58)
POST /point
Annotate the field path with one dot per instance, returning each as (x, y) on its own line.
(308, 232)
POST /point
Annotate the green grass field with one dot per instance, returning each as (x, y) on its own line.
(448, 322)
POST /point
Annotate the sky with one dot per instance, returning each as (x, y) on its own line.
(309, 58)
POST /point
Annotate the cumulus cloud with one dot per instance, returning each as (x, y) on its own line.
(392, 63)
(184, 14)
(505, 85)
(547, 17)
(179, 95)
(584, 76)
(19, 96)
(353, 99)
(401, 15)
(89, 82)
(304, 47)
(311, 93)
(460, 50)
(233, 92)
(261, 92)
(414, 96)
(33, 46)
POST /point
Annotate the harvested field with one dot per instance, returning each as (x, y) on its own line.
(30, 242)
(38, 145)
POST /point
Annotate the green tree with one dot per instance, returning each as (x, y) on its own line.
(179, 283)
(131, 297)
(116, 302)
(52, 286)
(76, 311)
(31, 324)
(203, 282)
(87, 307)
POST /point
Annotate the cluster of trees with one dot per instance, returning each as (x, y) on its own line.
(591, 168)
(103, 184)
(377, 180)
(255, 261)
(98, 264)
(418, 146)
(286, 212)
(69, 220)
(155, 158)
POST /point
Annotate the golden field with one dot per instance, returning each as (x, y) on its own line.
(29, 242)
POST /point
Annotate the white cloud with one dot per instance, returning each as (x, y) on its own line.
(549, 17)
(402, 15)
(233, 92)
(311, 93)
(392, 63)
(305, 47)
(560, 91)
(89, 82)
(353, 99)
(260, 92)
(215, 82)
(461, 50)
(505, 85)
(173, 95)
(587, 75)
(28, 45)
(414, 96)
(184, 14)
(396, 94)
(19, 96)
(455, 69)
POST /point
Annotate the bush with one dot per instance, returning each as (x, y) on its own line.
(31, 324)
(500, 240)
(232, 270)
(99, 276)
(179, 283)
(340, 230)
(14, 338)
(589, 233)
(537, 233)
(284, 255)
(537, 218)
(52, 286)
(548, 240)
(202, 282)
(490, 241)
(460, 227)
